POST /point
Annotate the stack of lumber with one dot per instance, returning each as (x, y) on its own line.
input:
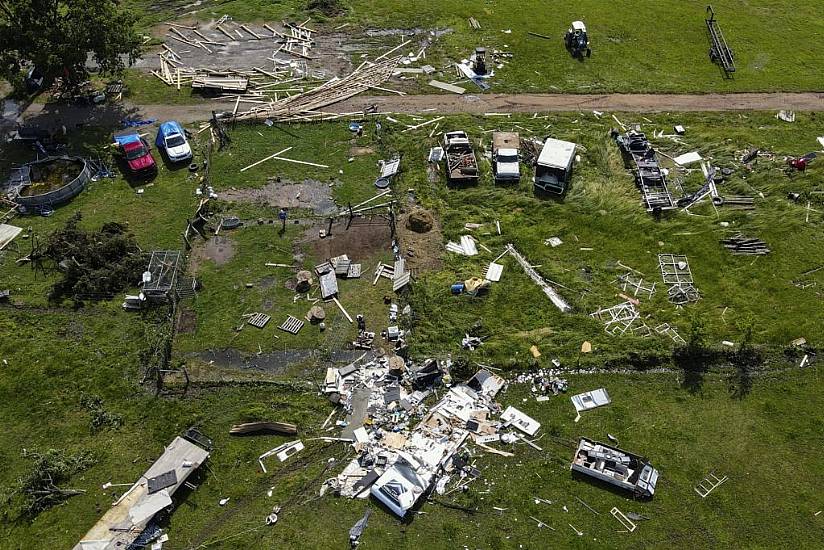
(258, 85)
(741, 245)
(308, 105)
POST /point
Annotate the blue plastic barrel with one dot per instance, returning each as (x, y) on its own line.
(458, 288)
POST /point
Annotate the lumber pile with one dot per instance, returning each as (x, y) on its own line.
(307, 106)
(741, 245)
(256, 85)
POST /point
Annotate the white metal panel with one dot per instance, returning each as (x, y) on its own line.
(557, 153)
(493, 272)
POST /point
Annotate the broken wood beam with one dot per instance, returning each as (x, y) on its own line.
(264, 160)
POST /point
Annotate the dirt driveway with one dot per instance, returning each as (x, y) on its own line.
(487, 103)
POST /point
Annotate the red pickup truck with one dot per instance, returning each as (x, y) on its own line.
(137, 154)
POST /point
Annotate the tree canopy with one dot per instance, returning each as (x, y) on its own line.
(57, 37)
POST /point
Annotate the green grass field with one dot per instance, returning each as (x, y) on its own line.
(762, 432)
(638, 46)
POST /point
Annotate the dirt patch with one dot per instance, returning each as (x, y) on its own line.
(219, 249)
(362, 240)
(310, 194)
(186, 320)
(421, 250)
(360, 151)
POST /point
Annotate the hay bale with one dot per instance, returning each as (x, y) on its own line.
(317, 314)
(304, 281)
(420, 221)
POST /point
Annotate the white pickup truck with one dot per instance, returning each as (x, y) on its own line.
(505, 160)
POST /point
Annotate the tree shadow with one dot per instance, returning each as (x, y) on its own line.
(745, 363)
(693, 362)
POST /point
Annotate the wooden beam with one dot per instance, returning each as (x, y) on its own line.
(264, 160)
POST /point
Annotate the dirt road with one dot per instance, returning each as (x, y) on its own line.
(477, 104)
(530, 103)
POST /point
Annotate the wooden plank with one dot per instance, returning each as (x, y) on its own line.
(337, 303)
(447, 87)
(264, 160)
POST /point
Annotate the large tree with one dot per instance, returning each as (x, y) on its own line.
(57, 37)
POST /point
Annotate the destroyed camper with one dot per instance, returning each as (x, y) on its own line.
(553, 169)
(619, 468)
(428, 451)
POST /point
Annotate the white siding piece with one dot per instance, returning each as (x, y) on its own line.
(591, 399)
(468, 245)
(149, 506)
(361, 436)
(521, 421)
(456, 248)
(8, 233)
(687, 158)
(493, 272)
(400, 268)
(400, 282)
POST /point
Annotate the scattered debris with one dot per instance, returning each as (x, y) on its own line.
(623, 520)
(590, 400)
(675, 270)
(709, 484)
(129, 516)
(283, 452)
(741, 245)
(786, 116)
(550, 292)
(447, 87)
(357, 530)
(617, 319)
(465, 248)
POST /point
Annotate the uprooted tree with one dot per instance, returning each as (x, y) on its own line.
(39, 488)
(56, 37)
(95, 264)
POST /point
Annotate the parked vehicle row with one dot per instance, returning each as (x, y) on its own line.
(136, 151)
(553, 165)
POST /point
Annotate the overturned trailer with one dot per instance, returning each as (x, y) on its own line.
(616, 467)
(650, 177)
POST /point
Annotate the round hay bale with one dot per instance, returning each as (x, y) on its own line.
(317, 314)
(420, 221)
(304, 281)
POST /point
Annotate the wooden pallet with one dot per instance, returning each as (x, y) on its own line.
(258, 320)
(292, 324)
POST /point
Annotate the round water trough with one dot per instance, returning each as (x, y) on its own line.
(53, 181)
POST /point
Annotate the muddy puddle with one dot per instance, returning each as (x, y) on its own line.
(273, 363)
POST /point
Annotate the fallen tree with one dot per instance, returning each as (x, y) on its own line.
(95, 264)
(39, 489)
